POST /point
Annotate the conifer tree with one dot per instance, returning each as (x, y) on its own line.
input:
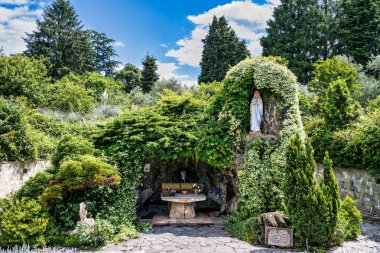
(60, 38)
(305, 203)
(221, 50)
(330, 190)
(104, 53)
(359, 29)
(294, 33)
(149, 73)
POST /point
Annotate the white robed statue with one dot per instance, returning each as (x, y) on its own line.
(256, 112)
(83, 215)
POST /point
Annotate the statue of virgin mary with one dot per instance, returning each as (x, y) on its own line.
(256, 112)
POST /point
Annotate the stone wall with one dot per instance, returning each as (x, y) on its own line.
(359, 185)
(14, 174)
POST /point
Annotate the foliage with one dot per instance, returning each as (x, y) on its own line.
(305, 203)
(329, 187)
(103, 53)
(15, 134)
(68, 96)
(70, 147)
(170, 84)
(23, 76)
(149, 73)
(86, 238)
(330, 70)
(35, 185)
(130, 75)
(126, 232)
(358, 29)
(247, 229)
(60, 38)
(350, 218)
(260, 179)
(294, 33)
(23, 221)
(370, 87)
(339, 109)
(373, 66)
(221, 50)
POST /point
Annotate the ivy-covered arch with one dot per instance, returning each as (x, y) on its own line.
(271, 76)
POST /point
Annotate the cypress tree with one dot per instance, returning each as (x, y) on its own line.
(330, 190)
(60, 38)
(359, 29)
(149, 73)
(294, 33)
(221, 49)
(305, 203)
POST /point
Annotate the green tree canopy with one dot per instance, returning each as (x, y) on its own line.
(294, 33)
(130, 75)
(221, 50)
(104, 53)
(359, 29)
(149, 73)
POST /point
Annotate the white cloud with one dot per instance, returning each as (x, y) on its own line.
(247, 18)
(163, 45)
(14, 23)
(119, 44)
(15, 2)
(168, 70)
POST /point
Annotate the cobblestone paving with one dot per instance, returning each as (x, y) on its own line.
(214, 238)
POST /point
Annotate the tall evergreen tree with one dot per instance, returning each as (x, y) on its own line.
(130, 75)
(60, 38)
(149, 73)
(359, 29)
(221, 49)
(104, 53)
(294, 33)
(328, 27)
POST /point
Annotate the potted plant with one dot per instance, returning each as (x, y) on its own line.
(168, 192)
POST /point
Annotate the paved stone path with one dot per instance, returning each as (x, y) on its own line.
(215, 239)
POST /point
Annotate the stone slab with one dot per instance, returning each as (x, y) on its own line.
(200, 219)
(280, 237)
(182, 198)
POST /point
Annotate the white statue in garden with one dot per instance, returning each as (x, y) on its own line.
(83, 216)
(256, 112)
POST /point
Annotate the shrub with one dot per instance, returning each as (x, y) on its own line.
(350, 218)
(22, 222)
(126, 232)
(23, 76)
(339, 109)
(305, 203)
(35, 185)
(246, 229)
(16, 143)
(85, 238)
(70, 147)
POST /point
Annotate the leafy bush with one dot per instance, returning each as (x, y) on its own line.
(70, 147)
(84, 173)
(85, 238)
(23, 76)
(23, 222)
(246, 229)
(126, 232)
(15, 134)
(350, 218)
(339, 109)
(35, 185)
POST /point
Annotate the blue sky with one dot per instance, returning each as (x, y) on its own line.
(171, 30)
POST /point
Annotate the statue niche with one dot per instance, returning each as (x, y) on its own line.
(263, 114)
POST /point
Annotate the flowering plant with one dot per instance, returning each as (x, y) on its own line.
(168, 191)
(196, 189)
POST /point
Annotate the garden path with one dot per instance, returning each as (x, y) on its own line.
(215, 239)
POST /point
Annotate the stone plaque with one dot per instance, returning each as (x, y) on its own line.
(281, 237)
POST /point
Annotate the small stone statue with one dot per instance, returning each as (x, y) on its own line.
(256, 113)
(83, 216)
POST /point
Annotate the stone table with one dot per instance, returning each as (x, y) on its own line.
(182, 206)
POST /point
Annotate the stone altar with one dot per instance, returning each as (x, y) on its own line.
(182, 206)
